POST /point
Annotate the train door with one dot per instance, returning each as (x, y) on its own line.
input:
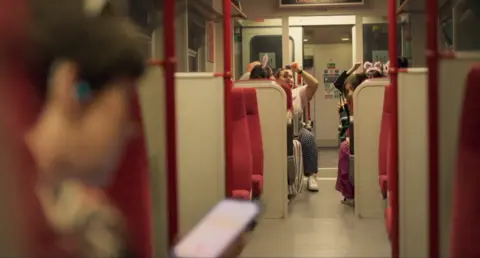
(267, 40)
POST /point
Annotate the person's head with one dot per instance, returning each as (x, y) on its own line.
(373, 70)
(251, 65)
(352, 82)
(84, 69)
(261, 72)
(285, 75)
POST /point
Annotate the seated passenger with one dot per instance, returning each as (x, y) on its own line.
(261, 71)
(373, 70)
(343, 184)
(300, 98)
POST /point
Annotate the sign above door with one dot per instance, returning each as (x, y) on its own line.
(322, 3)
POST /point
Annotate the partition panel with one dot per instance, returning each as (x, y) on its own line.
(367, 103)
(413, 162)
(200, 144)
(272, 108)
(452, 72)
(151, 90)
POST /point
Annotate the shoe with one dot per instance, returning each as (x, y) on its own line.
(312, 183)
(348, 201)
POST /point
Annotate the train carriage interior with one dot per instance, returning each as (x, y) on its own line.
(346, 121)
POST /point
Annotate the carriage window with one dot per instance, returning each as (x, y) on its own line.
(465, 24)
(196, 43)
(375, 42)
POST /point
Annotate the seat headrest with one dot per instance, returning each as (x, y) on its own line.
(250, 96)
(238, 104)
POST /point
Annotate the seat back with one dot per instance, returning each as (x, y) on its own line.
(384, 137)
(253, 118)
(241, 149)
(466, 207)
(389, 141)
(130, 190)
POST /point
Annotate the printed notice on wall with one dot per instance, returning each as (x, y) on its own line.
(330, 75)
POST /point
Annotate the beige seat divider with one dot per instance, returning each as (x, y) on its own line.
(413, 162)
(273, 120)
(451, 85)
(368, 104)
(200, 146)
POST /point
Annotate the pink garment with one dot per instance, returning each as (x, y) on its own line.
(299, 99)
(343, 184)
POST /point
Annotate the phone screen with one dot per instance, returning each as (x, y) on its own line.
(216, 231)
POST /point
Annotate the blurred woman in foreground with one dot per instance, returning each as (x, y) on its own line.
(83, 65)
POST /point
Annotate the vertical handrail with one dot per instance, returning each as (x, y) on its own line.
(227, 63)
(392, 49)
(432, 86)
(169, 66)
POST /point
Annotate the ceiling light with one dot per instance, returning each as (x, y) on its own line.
(305, 40)
(345, 39)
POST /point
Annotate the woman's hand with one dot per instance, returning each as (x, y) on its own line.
(251, 65)
(295, 67)
(236, 248)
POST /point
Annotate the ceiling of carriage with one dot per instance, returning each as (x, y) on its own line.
(328, 34)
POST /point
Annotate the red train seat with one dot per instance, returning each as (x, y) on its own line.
(466, 207)
(384, 139)
(130, 190)
(256, 143)
(389, 212)
(241, 151)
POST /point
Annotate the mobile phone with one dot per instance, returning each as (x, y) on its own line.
(218, 229)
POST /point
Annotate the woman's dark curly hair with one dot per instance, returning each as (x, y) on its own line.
(103, 46)
(260, 72)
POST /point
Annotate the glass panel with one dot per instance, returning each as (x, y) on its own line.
(465, 25)
(375, 42)
(196, 42)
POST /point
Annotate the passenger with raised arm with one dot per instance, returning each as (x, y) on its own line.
(300, 98)
(343, 184)
(249, 69)
(261, 71)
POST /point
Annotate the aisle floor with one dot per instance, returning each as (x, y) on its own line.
(319, 226)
